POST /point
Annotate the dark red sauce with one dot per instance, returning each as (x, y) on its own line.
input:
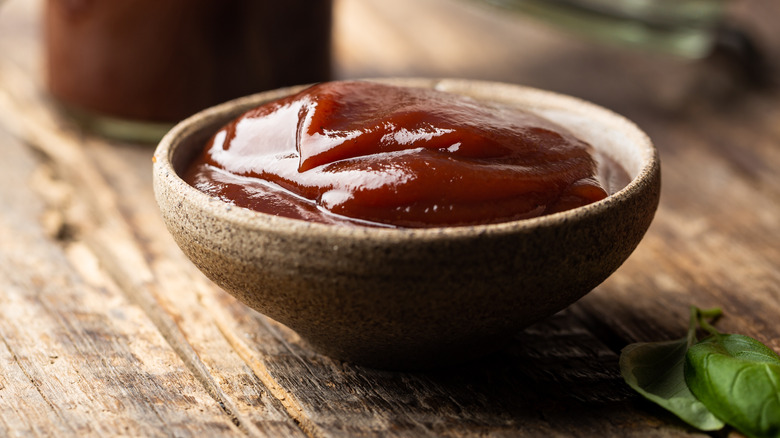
(361, 152)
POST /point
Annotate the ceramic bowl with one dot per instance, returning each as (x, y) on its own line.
(412, 298)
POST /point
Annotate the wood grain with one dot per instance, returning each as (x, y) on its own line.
(77, 357)
(95, 221)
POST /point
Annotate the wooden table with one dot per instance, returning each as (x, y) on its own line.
(106, 329)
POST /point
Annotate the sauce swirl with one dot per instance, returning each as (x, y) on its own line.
(373, 154)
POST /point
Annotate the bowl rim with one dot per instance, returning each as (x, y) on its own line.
(165, 174)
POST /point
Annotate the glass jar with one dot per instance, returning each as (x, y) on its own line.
(131, 68)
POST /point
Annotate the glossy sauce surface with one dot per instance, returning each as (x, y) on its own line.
(366, 153)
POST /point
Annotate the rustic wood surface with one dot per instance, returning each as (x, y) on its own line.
(108, 330)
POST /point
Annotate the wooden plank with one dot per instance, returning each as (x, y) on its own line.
(76, 358)
(560, 376)
(555, 379)
(175, 289)
(93, 218)
(235, 393)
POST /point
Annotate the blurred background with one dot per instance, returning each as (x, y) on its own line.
(643, 58)
(475, 40)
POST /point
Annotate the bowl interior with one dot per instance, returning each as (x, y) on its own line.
(610, 134)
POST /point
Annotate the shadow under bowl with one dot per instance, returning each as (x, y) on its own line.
(412, 298)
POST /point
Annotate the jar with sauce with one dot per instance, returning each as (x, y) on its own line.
(131, 68)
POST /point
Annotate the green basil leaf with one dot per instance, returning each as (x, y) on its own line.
(738, 379)
(655, 370)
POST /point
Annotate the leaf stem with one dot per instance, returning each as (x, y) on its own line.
(702, 316)
(691, 337)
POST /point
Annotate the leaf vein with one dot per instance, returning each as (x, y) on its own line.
(772, 378)
(735, 379)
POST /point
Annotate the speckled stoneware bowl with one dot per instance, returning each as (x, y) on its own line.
(413, 298)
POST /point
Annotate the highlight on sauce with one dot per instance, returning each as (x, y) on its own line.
(365, 153)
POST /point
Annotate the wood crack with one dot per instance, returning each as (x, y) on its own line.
(258, 367)
(33, 382)
(138, 294)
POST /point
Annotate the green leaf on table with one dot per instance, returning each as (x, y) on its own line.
(738, 379)
(656, 370)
